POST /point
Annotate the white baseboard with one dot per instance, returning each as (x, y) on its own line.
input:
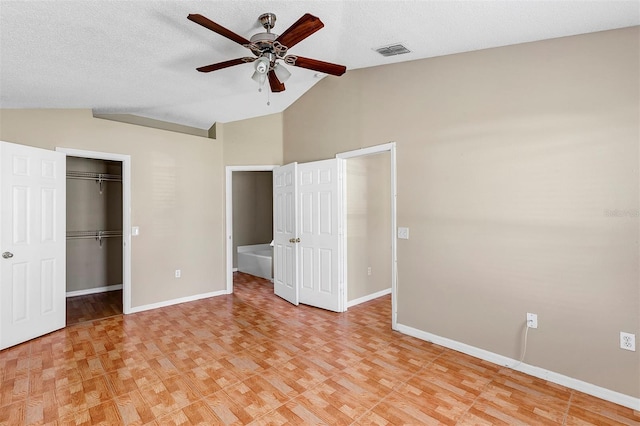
(94, 290)
(368, 297)
(176, 301)
(560, 379)
(234, 270)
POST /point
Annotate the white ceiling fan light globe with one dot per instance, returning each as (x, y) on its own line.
(262, 65)
(282, 73)
(259, 78)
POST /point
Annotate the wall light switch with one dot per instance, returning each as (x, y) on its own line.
(403, 233)
(135, 231)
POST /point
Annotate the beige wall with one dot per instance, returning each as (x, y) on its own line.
(177, 196)
(510, 163)
(92, 208)
(252, 209)
(255, 141)
(368, 225)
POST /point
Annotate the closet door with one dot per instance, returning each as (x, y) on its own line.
(32, 243)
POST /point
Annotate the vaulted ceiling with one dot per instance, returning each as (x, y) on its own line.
(140, 57)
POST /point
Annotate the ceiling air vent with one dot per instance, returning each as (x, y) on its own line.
(392, 50)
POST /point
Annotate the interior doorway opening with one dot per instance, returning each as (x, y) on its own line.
(389, 148)
(94, 239)
(367, 224)
(100, 228)
(254, 179)
(253, 223)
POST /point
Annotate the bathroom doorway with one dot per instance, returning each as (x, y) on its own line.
(249, 214)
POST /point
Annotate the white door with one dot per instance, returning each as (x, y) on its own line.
(32, 242)
(319, 233)
(285, 253)
(307, 254)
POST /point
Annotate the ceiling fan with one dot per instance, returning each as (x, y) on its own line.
(268, 48)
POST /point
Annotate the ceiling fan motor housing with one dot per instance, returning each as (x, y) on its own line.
(264, 41)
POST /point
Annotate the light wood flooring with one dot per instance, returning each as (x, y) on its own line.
(252, 358)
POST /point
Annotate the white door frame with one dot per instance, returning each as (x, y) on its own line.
(229, 212)
(391, 148)
(126, 214)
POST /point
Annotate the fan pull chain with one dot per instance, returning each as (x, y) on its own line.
(268, 94)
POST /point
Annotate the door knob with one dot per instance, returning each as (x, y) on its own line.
(7, 255)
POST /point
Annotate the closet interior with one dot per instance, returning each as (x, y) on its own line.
(94, 239)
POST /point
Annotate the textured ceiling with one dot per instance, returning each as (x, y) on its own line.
(139, 57)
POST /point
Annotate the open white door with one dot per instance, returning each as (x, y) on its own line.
(319, 227)
(32, 242)
(307, 247)
(285, 252)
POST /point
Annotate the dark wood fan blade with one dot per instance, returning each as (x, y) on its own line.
(316, 65)
(300, 30)
(275, 83)
(225, 64)
(216, 28)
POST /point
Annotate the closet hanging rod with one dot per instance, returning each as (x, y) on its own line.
(97, 235)
(103, 177)
(93, 234)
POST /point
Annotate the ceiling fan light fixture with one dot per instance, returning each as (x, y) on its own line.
(282, 73)
(262, 65)
(259, 78)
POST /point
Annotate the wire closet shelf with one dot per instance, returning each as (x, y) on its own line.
(98, 177)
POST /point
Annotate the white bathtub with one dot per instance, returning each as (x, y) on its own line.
(256, 260)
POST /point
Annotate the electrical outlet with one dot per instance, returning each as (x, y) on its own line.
(178, 273)
(627, 341)
(532, 320)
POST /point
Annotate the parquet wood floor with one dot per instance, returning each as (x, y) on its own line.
(251, 358)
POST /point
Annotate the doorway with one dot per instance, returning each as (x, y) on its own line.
(389, 148)
(231, 241)
(94, 239)
(368, 221)
(114, 245)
